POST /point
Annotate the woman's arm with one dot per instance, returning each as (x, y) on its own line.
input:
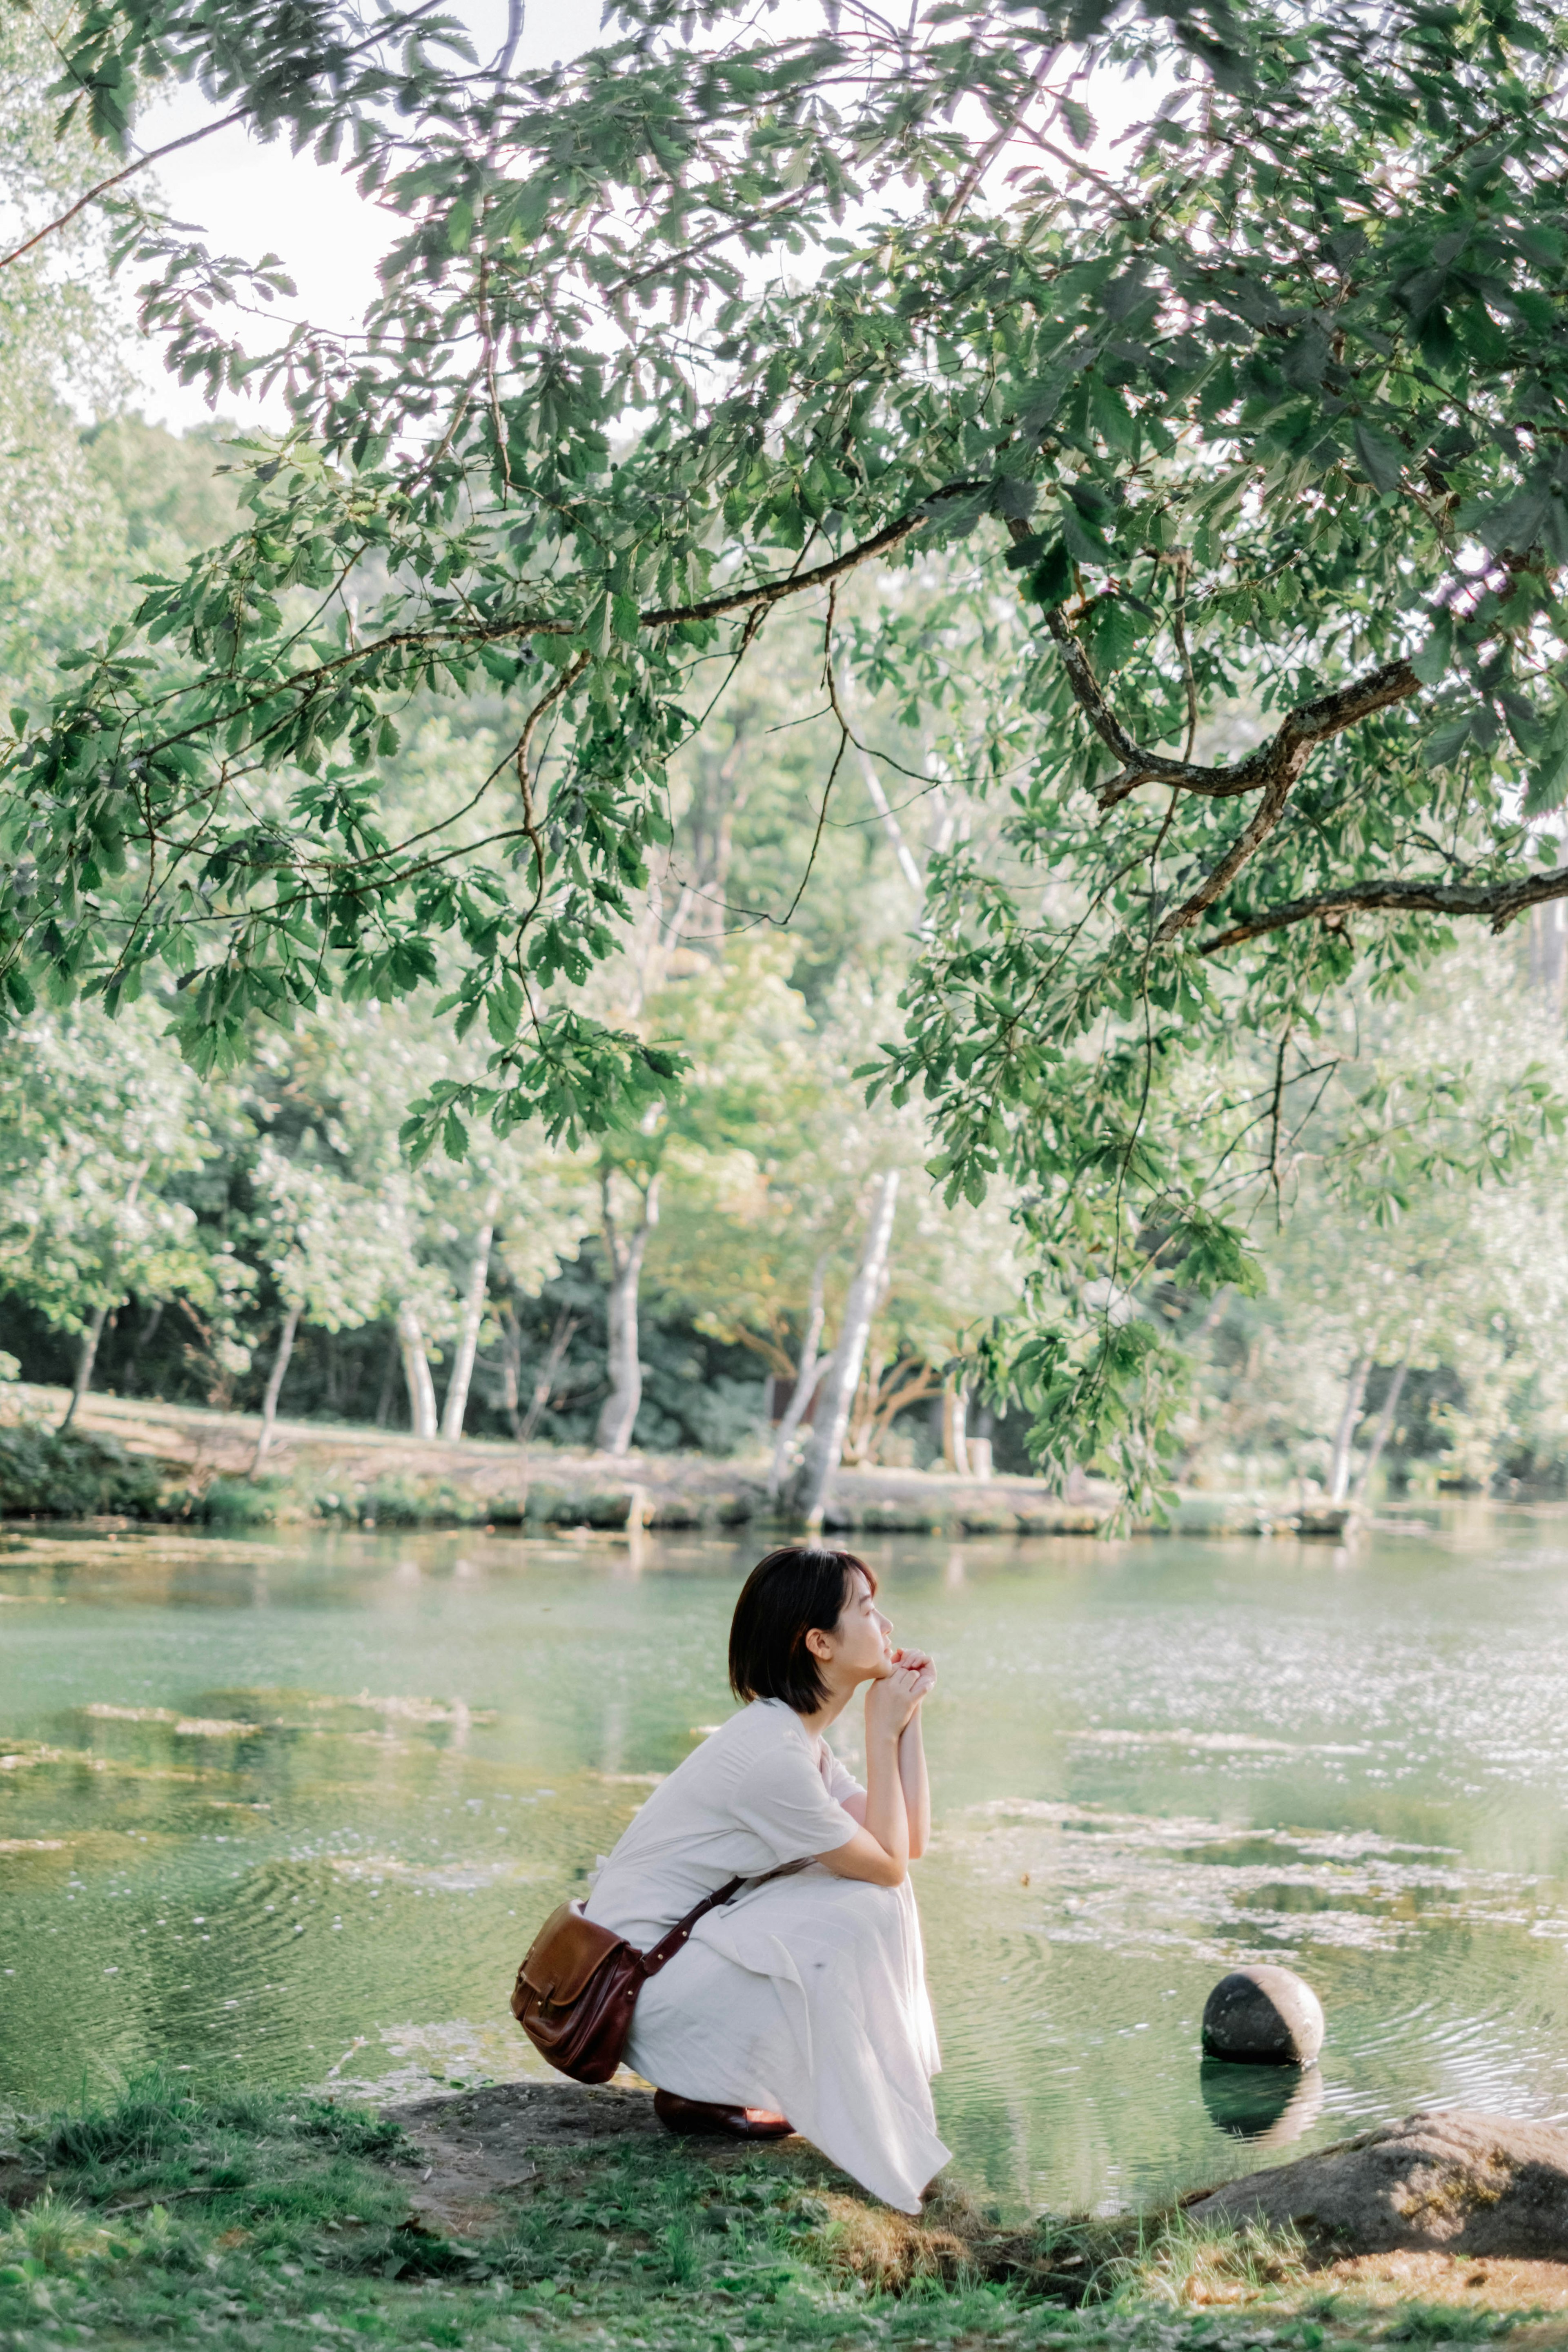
(879, 1853)
(912, 1776)
(916, 1786)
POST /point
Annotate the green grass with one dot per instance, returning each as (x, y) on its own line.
(276, 2224)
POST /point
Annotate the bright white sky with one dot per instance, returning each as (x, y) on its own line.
(251, 199)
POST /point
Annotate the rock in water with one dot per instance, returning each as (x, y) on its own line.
(1458, 2184)
(1264, 2016)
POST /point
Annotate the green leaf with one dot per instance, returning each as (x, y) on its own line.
(596, 630)
(1051, 581)
(1432, 661)
(1383, 460)
(1445, 743)
(1082, 127)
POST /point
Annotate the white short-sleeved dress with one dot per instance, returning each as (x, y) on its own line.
(806, 1994)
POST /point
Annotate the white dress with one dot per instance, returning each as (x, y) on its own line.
(807, 1994)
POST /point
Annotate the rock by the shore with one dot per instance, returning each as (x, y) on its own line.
(1455, 2183)
(1263, 2016)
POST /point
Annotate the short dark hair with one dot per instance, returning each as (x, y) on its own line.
(796, 1590)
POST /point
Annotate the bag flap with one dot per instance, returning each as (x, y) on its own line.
(565, 1954)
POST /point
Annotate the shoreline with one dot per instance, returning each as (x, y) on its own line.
(548, 2215)
(357, 1474)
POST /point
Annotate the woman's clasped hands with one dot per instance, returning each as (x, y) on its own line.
(893, 1700)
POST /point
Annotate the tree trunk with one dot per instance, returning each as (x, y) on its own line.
(807, 1374)
(511, 1366)
(808, 1492)
(388, 1383)
(417, 1373)
(1384, 1429)
(544, 1385)
(84, 1363)
(275, 1387)
(891, 827)
(94, 1333)
(955, 1426)
(457, 1403)
(143, 1340)
(617, 1418)
(1548, 936)
(1345, 1436)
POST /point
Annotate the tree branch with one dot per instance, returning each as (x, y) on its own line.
(1264, 819)
(1261, 768)
(792, 583)
(155, 155)
(1499, 901)
(1297, 734)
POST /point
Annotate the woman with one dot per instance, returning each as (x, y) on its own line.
(804, 1996)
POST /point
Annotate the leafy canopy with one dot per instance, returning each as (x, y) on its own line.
(1231, 456)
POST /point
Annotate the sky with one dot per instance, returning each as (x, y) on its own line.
(252, 199)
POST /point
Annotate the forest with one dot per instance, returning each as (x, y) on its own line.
(793, 1032)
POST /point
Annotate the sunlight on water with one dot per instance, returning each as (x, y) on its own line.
(288, 1810)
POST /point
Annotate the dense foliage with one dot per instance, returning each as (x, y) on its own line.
(1224, 466)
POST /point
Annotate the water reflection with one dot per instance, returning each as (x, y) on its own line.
(269, 1809)
(1270, 2104)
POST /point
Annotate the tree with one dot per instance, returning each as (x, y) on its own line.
(97, 1120)
(1421, 1231)
(1261, 415)
(841, 1377)
(332, 1252)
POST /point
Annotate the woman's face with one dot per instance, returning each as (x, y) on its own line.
(862, 1639)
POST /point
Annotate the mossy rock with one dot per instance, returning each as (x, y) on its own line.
(1058, 1520)
(988, 1519)
(735, 1510)
(1217, 1515)
(590, 1506)
(672, 1511)
(876, 1517)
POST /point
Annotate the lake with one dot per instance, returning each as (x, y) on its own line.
(288, 1811)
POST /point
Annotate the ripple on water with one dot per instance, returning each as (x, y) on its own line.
(289, 1811)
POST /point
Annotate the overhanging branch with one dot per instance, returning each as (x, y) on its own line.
(1499, 902)
(1260, 771)
(794, 583)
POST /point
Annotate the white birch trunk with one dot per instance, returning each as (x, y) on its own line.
(456, 1402)
(956, 1427)
(1384, 1429)
(618, 1414)
(809, 1488)
(417, 1373)
(1345, 1436)
(808, 1373)
(275, 1388)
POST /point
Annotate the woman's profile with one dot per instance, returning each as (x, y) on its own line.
(802, 2004)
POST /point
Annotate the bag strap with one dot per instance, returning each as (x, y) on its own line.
(667, 1946)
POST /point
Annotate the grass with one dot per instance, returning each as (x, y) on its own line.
(272, 2224)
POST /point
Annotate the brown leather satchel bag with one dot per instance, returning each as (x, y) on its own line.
(576, 1990)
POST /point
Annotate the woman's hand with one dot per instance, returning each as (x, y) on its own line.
(893, 1699)
(921, 1665)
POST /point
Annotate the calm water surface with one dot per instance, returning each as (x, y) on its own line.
(288, 1811)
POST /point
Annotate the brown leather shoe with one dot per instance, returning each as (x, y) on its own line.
(694, 2116)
